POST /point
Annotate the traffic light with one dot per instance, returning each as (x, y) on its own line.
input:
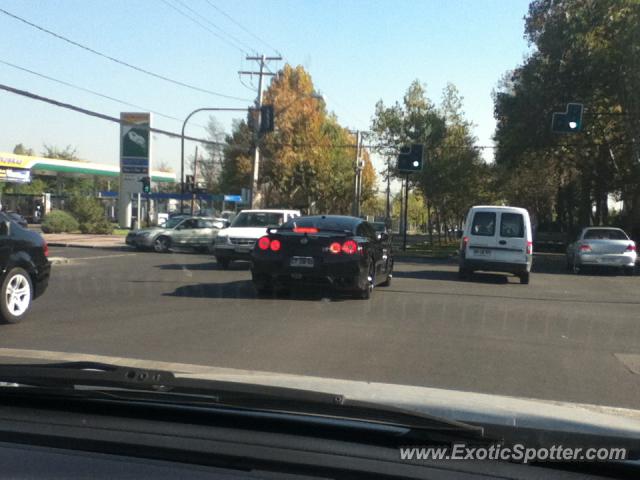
(266, 119)
(411, 158)
(189, 183)
(146, 184)
(569, 121)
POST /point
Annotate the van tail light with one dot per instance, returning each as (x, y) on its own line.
(46, 249)
(631, 248)
(529, 248)
(585, 247)
(465, 242)
(275, 245)
(263, 243)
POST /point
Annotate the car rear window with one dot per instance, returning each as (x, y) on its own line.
(604, 234)
(321, 223)
(484, 224)
(512, 225)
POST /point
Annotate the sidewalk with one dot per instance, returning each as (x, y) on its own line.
(84, 241)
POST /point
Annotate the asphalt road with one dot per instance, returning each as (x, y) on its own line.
(563, 337)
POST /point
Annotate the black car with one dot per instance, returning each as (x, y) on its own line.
(24, 269)
(327, 251)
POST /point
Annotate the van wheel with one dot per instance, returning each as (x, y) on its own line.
(464, 273)
(16, 295)
(524, 278)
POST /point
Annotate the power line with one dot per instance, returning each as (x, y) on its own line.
(202, 25)
(93, 92)
(241, 26)
(102, 116)
(121, 62)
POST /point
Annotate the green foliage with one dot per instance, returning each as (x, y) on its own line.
(587, 52)
(90, 214)
(20, 149)
(59, 221)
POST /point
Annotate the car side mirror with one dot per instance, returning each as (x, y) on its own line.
(5, 228)
(459, 234)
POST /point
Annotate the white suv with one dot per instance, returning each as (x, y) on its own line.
(236, 242)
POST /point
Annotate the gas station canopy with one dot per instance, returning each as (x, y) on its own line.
(12, 166)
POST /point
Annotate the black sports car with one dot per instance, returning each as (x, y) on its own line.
(327, 251)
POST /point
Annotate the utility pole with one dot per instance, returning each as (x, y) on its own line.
(195, 181)
(406, 211)
(388, 216)
(355, 209)
(262, 60)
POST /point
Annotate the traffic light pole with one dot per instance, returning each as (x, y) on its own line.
(406, 209)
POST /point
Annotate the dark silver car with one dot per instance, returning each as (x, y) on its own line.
(191, 232)
(602, 247)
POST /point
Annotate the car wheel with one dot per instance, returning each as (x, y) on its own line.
(576, 268)
(16, 293)
(223, 262)
(365, 292)
(387, 282)
(629, 271)
(161, 244)
(524, 278)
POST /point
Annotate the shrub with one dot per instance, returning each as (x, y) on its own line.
(59, 221)
(102, 227)
(87, 210)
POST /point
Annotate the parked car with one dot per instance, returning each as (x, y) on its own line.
(497, 239)
(325, 251)
(602, 247)
(237, 241)
(24, 269)
(19, 219)
(191, 232)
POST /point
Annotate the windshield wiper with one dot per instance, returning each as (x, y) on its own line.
(164, 386)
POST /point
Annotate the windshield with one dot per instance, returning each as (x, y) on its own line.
(436, 194)
(257, 219)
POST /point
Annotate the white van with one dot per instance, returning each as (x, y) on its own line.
(497, 239)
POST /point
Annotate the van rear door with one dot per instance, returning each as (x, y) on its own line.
(512, 238)
(482, 236)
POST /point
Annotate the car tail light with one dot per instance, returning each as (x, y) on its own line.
(631, 248)
(585, 247)
(335, 247)
(46, 249)
(350, 247)
(264, 243)
(275, 245)
(305, 230)
(529, 248)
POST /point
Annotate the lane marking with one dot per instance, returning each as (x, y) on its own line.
(102, 256)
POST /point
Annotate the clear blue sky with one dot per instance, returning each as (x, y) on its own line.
(356, 51)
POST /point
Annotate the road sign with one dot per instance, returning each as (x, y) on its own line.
(569, 121)
(410, 159)
(233, 198)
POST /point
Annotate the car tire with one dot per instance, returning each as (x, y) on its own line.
(365, 293)
(162, 244)
(387, 282)
(629, 271)
(575, 268)
(524, 278)
(223, 262)
(16, 294)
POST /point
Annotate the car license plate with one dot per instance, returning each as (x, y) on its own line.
(301, 262)
(483, 252)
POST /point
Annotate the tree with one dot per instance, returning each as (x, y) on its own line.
(237, 159)
(587, 52)
(20, 149)
(68, 153)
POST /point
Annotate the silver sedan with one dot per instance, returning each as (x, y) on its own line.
(602, 247)
(191, 232)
